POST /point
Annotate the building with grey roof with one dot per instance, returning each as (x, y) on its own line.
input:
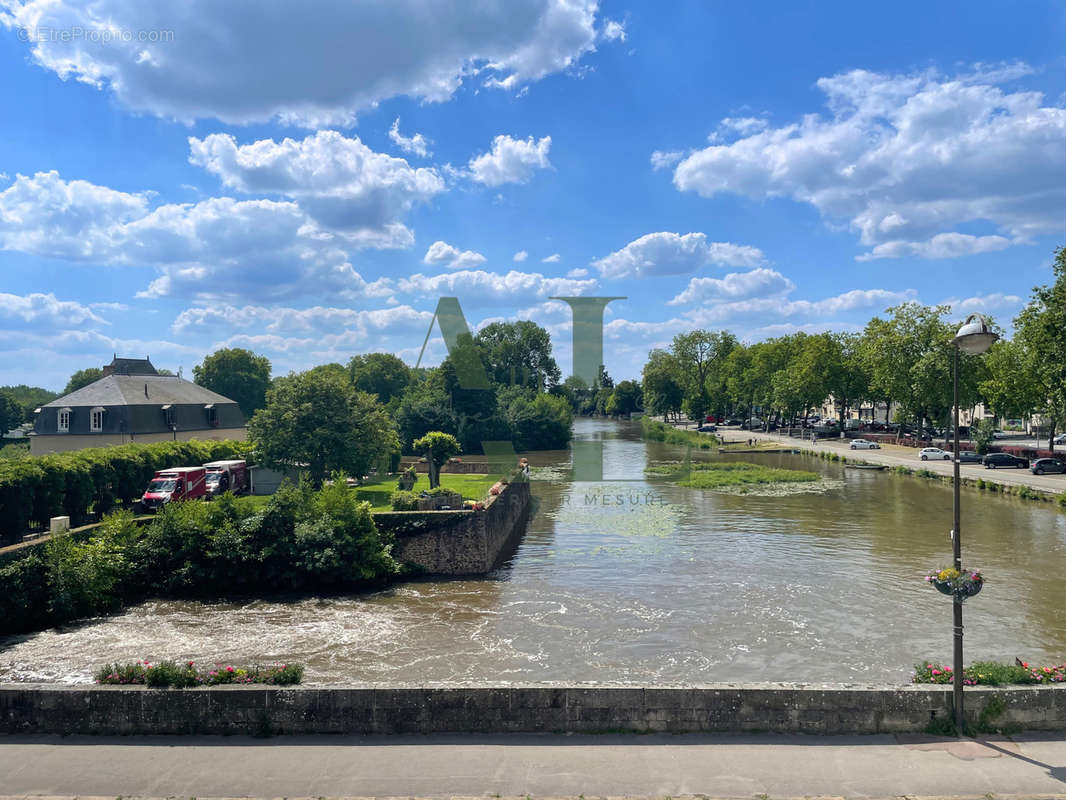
(134, 403)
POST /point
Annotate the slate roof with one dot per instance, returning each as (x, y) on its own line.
(132, 366)
(128, 390)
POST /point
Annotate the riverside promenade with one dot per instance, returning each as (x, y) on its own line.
(535, 766)
(897, 455)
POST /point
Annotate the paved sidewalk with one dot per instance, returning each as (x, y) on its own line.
(537, 765)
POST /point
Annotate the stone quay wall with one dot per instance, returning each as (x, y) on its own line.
(779, 708)
(460, 542)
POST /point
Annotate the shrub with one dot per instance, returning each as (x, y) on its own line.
(990, 673)
(170, 674)
(404, 501)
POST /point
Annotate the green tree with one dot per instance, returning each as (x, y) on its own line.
(1040, 329)
(540, 423)
(626, 398)
(518, 353)
(238, 374)
(1011, 386)
(437, 447)
(663, 392)
(29, 398)
(382, 374)
(10, 412)
(846, 379)
(82, 378)
(323, 424)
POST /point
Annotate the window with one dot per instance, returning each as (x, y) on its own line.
(168, 416)
(96, 420)
(212, 415)
(63, 424)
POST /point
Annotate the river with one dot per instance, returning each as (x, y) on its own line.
(635, 580)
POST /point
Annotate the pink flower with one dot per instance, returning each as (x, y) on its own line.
(229, 669)
(936, 672)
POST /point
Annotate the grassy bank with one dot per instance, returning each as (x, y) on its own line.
(721, 475)
(658, 431)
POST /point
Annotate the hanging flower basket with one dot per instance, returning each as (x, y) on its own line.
(959, 585)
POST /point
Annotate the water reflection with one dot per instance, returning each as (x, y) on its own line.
(639, 580)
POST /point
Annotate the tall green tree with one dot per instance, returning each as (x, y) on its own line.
(1011, 386)
(518, 353)
(661, 384)
(1040, 329)
(10, 412)
(626, 398)
(382, 374)
(321, 423)
(238, 374)
(82, 378)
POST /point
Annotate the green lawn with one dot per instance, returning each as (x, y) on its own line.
(379, 492)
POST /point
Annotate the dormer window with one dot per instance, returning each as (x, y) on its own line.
(96, 420)
(212, 415)
(63, 420)
(168, 415)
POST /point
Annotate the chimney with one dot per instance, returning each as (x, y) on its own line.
(146, 390)
(108, 369)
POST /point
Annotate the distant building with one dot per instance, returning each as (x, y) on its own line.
(134, 403)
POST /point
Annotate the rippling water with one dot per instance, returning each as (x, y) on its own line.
(660, 584)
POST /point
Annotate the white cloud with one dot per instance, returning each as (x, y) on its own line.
(317, 320)
(578, 272)
(554, 258)
(443, 253)
(735, 286)
(219, 248)
(520, 256)
(943, 245)
(417, 144)
(43, 311)
(673, 254)
(985, 304)
(905, 158)
(339, 181)
(311, 68)
(614, 31)
(511, 160)
(479, 286)
(663, 159)
(45, 215)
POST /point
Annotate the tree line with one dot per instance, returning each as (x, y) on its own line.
(902, 359)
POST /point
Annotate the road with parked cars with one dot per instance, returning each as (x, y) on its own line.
(896, 455)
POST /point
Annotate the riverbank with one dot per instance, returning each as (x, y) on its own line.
(1049, 487)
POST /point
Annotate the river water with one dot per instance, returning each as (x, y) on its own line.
(636, 580)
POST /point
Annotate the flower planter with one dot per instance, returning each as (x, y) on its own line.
(961, 588)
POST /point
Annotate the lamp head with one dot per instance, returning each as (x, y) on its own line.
(975, 336)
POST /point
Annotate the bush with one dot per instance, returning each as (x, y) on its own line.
(301, 540)
(404, 501)
(167, 674)
(990, 673)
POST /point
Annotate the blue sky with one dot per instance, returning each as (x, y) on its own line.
(233, 174)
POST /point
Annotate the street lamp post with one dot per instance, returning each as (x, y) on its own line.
(974, 337)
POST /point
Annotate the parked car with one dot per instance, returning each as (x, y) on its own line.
(927, 453)
(1001, 435)
(970, 457)
(733, 421)
(707, 428)
(993, 460)
(863, 444)
(1042, 465)
(1060, 439)
(751, 424)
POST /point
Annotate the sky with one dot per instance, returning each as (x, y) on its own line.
(306, 181)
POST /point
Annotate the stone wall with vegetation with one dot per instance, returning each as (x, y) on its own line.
(459, 542)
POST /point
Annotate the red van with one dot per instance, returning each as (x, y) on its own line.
(176, 483)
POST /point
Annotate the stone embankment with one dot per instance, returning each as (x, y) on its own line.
(780, 708)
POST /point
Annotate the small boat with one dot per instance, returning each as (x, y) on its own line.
(866, 466)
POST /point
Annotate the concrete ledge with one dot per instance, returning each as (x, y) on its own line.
(779, 708)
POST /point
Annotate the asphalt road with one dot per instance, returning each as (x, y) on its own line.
(535, 765)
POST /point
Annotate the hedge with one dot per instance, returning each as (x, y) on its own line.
(82, 481)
